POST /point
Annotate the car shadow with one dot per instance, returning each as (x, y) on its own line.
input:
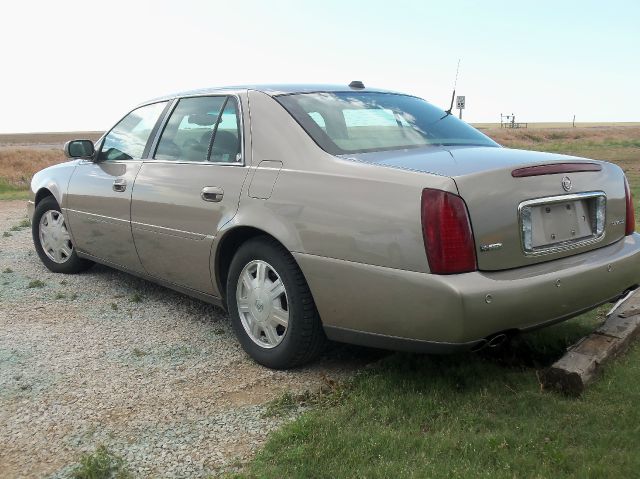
(533, 350)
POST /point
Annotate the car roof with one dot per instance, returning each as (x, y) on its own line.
(270, 89)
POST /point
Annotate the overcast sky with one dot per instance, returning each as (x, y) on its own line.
(80, 65)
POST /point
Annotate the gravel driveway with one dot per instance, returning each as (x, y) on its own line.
(106, 358)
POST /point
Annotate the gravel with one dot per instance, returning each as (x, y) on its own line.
(107, 358)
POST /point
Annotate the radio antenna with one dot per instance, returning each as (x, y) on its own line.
(453, 95)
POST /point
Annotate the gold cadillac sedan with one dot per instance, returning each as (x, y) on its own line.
(342, 212)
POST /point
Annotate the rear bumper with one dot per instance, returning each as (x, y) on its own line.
(397, 309)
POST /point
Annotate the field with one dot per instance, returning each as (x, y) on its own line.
(471, 415)
(22, 155)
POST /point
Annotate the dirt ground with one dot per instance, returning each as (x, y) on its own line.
(104, 358)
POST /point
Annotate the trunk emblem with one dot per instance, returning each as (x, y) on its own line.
(490, 247)
(566, 183)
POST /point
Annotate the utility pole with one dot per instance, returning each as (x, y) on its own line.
(574, 121)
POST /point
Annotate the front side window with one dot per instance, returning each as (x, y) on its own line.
(129, 137)
(360, 122)
(202, 129)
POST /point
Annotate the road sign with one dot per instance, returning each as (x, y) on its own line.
(460, 102)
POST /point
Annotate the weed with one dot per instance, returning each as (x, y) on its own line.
(114, 306)
(59, 295)
(73, 296)
(63, 282)
(331, 393)
(7, 270)
(281, 405)
(36, 283)
(101, 464)
(138, 353)
(135, 297)
(23, 224)
(6, 234)
(218, 332)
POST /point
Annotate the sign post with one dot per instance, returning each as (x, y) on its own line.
(460, 104)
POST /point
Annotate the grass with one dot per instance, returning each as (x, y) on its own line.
(467, 416)
(476, 415)
(136, 298)
(36, 283)
(101, 464)
(139, 353)
(9, 191)
(22, 155)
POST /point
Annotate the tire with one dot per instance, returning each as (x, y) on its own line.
(303, 338)
(54, 259)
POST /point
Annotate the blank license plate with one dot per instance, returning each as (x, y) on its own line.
(556, 222)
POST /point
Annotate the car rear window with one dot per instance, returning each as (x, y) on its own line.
(359, 122)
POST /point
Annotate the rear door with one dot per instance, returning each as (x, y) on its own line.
(98, 198)
(189, 189)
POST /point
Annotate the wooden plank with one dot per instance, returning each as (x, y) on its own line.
(584, 360)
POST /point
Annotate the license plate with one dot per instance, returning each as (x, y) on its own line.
(562, 222)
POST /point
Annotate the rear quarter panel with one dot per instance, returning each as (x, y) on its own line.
(333, 207)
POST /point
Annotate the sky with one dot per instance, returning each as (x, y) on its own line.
(70, 65)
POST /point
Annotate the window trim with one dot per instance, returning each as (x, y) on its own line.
(154, 146)
(149, 142)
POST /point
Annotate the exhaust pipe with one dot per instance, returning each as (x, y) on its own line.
(490, 342)
(496, 340)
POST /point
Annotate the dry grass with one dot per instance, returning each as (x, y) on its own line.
(18, 165)
(49, 139)
(625, 135)
(560, 124)
(23, 154)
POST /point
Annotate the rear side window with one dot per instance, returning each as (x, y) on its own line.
(127, 140)
(202, 129)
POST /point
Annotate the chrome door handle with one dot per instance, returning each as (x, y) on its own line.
(119, 185)
(212, 193)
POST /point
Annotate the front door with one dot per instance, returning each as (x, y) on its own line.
(188, 190)
(98, 201)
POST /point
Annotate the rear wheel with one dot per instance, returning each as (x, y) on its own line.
(52, 240)
(271, 307)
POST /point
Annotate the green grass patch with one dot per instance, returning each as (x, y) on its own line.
(135, 298)
(9, 191)
(467, 416)
(101, 464)
(36, 283)
(139, 353)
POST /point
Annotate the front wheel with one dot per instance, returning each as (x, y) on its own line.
(52, 240)
(271, 307)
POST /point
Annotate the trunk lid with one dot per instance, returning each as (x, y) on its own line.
(518, 221)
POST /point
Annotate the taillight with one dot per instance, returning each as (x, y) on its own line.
(630, 220)
(446, 229)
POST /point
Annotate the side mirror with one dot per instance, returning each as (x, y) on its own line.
(79, 149)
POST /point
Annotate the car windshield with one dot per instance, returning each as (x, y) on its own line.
(359, 122)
